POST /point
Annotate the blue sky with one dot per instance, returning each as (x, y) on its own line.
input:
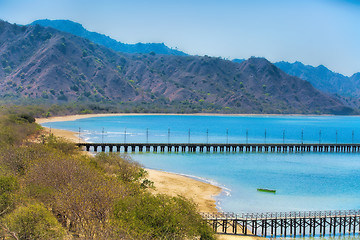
(311, 31)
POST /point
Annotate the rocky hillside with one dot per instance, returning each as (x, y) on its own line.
(320, 77)
(44, 63)
(101, 39)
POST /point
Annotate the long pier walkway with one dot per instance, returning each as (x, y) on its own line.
(286, 224)
(219, 147)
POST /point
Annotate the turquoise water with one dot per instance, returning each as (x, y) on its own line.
(304, 181)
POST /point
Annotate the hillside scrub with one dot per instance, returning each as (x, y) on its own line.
(49, 190)
(174, 218)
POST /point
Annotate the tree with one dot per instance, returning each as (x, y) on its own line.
(148, 216)
(79, 195)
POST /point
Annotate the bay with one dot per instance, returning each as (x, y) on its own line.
(303, 181)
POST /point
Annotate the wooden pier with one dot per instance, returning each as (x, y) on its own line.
(218, 147)
(286, 224)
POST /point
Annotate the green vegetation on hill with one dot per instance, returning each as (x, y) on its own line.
(38, 109)
(50, 190)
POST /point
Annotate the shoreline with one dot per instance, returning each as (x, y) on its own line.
(82, 116)
(173, 184)
(201, 192)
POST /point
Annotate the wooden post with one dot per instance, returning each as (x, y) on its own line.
(265, 222)
(235, 226)
(314, 227)
(245, 227)
(304, 226)
(322, 226)
(276, 224)
(256, 226)
(330, 226)
(340, 225)
(354, 225)
(349, 230)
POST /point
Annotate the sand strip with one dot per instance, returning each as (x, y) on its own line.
(173, 184)
(81, 116)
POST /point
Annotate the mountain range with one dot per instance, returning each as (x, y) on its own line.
(44, 63)
(324, 79)
(78, 30)
(320, 77)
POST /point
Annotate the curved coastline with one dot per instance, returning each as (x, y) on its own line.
(82, 116)
(165, 182)
(175, 184)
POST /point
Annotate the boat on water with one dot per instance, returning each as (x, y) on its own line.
(266, 190)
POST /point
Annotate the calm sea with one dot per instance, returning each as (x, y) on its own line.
(303, 181)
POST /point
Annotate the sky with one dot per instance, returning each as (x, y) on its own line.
(314, 32)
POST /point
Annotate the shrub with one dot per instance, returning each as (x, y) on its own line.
(85, 111)
(34, 222)
(8, 184)
(123, 167)
(8, 69)
(62, 98)
(150, 216)
(60, 144)
(74, 88)
(15, 128)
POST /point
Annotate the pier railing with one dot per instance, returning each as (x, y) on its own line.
(285, 224)
(219, 147)
(293, 214)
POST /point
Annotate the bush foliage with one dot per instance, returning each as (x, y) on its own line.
(34, 222)
(50, 190)
(159, 217)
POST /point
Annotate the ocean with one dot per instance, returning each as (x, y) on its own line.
(303, 181)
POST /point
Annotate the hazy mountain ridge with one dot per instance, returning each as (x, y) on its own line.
(78, 30)
(324, 79)
(47, 64)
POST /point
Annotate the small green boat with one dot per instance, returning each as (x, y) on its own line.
(266, 190)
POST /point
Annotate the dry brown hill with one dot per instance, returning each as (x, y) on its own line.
(44, 63)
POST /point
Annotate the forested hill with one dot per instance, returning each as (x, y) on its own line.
(44, 63)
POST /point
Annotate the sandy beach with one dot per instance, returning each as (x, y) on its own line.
(166, 183)
(81, 116)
